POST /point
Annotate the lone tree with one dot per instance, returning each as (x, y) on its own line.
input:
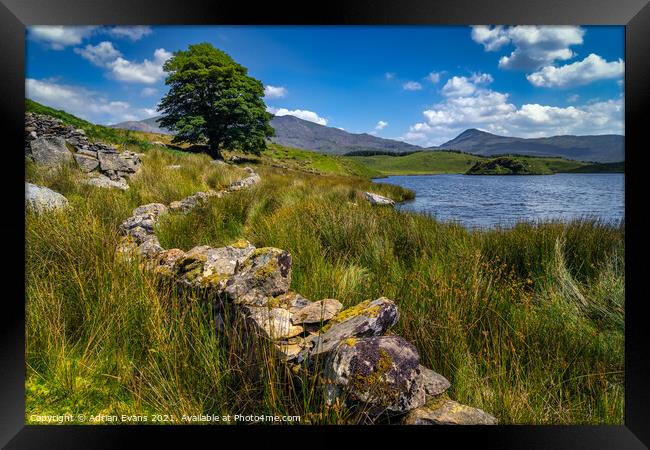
(212, 100)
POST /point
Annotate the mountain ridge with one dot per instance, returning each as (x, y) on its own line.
(295, 132)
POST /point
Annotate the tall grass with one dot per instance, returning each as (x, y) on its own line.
(527, 323)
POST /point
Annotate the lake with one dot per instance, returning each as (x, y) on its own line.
(484, 201)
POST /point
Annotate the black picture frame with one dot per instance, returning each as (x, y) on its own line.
(15, 15)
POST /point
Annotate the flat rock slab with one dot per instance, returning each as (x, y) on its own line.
(40, 199)
(448, 412)
(157, 209)
(104, 182)
(380, 371)
(434, 383)
(86, 163)
(376, 199)
(276, 322)
(50, 151)
(317, 312)
(368, 318)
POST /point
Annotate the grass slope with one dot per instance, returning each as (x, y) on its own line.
(527, 323)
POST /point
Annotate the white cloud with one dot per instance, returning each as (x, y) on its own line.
(535, 46)
(148, 92)
(275, 91)
(464, 86)
(82, 102)
(133, 33)
(590, 69)
(492, 111)
(147, 71)
(102, 54)
(58, 37)
(412, 86)
(434, 77)
(389, 75)
(381, 125)
(299, 113)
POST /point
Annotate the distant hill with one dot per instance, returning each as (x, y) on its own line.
(291, 131)
(597, 148)
(147, 125)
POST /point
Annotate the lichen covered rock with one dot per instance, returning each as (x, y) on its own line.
(380, 371)
(368, 318)
(448, 412)
(265, 274)
(434, 383)
(376, 199)
(317, 312)
(40, 199)
(50, 150)
(275, 322)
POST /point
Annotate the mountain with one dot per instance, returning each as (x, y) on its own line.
(291, 131)
(147, 125)
(597, 148)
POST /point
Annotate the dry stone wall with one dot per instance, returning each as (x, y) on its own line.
(49, 141)
(351, 350)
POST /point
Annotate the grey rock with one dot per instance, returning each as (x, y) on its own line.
(376, 199)
(316, 312)
(86, 163)
(117, 162)
(156, 209)
(103, 181)
(146, 221)
(40, 199)
(275, 322)
(448, 412)
(150, 248)
(249, 181)
(50, 151)
(365, 319)
(434, 383)
(266, 273)
(380, 371)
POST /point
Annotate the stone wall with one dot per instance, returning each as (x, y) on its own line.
(48, 141)
(352, 350)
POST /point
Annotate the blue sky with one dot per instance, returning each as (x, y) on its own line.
(420, 84)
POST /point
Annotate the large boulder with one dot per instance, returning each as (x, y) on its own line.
(50, 150)
(118, 162)
(265, 274)
(40, 199)
(448, 412)
(382, 372)
(368, 318)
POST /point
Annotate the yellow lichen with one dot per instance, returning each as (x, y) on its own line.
(360, 309)
(240, 243)
(373, 384)
(350, 341)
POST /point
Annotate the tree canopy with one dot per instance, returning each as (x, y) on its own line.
(211, 99)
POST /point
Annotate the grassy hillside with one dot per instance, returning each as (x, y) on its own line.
(442, 161)
(527, 323)
(508, 165)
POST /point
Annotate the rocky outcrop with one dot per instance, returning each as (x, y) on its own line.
(351, 350)
(376, 199)
(50, 142)
(39, 199)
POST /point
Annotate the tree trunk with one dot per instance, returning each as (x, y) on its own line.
(214, 149)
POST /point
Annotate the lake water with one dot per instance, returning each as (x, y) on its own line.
(489, 200)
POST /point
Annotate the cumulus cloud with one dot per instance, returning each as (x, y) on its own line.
(275, 91)
(148, 71)
(381, 125)
(133, 33)
(102, 54)
(535, 46)
(492, 111)
(84, 103)
(412, 86)
(59, 37)
(590, 69)
(299, 113)
(464, 86)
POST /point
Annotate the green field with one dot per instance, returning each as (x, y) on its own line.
(437, 162)
(527, 323)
